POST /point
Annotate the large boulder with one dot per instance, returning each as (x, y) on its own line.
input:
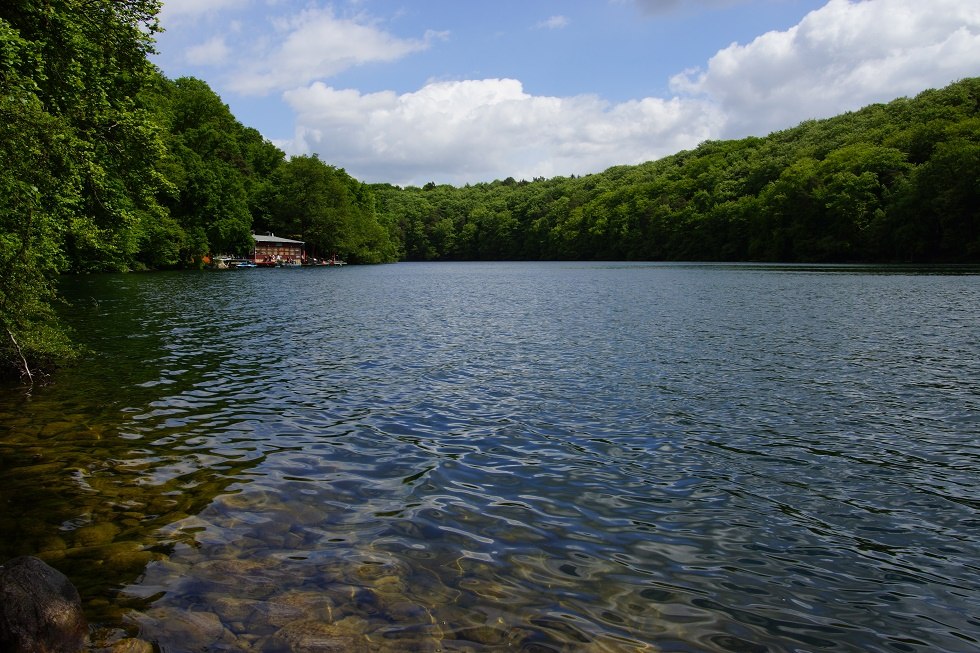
(40, 610)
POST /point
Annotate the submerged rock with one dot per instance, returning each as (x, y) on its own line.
(132, 645)
(310, 636)
(194, 630)
(96, 534)
(40, 610)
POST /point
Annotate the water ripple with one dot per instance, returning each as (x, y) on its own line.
(540, 457)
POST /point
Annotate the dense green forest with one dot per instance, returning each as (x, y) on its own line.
(107, 165)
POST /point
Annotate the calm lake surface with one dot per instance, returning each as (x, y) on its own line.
(536, 457)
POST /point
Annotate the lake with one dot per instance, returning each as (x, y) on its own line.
(520, 456)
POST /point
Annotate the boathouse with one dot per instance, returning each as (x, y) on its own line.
(272, 250)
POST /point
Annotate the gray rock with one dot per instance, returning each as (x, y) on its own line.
(40, 610)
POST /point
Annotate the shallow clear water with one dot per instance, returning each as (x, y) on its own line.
(539, 457)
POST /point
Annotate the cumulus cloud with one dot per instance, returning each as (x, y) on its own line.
(841, 57)
(470, 130)
(316, 44)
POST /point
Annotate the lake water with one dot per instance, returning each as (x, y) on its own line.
(534, 457)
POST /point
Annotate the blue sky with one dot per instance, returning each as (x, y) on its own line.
(464, 91)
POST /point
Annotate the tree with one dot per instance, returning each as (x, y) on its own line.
(78, 156)
(328, 209)
(219, 170)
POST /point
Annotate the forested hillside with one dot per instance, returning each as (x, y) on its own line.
(898, 182)
(107, 165)
(225, 181)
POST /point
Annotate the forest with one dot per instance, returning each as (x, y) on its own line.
(107, 165)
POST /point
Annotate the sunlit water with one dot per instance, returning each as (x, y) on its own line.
(537, 457)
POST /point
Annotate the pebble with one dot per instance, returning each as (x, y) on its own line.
(132, 645)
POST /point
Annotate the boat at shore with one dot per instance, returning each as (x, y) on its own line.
(333, 261)
(229, 263)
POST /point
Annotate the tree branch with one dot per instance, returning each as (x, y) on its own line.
(27, 369)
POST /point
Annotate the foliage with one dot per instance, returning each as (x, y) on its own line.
(216, 168)
(328, 209)
(78, 155)
(227, 181)
(32, 151)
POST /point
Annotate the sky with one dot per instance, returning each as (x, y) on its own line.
(466, 91)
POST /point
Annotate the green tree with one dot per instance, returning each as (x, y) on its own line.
(936, 215)
(219, 171)
(328, 209)
(78, 156)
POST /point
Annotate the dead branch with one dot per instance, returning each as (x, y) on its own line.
(27, 368)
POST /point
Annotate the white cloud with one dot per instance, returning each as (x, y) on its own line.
(475, 130)
(210, 53)
(193, 8)
(841, 57)
(554, 22)
(316, 44)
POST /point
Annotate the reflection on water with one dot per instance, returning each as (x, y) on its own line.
(540, 457)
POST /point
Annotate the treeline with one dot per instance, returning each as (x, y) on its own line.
(898, 182)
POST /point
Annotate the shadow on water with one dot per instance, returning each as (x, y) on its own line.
(96, 464)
